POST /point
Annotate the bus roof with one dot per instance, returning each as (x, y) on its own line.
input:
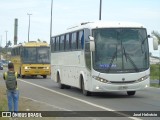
(104, 24)
(32, 44)
(107, 24)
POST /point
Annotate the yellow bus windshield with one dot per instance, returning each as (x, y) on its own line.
(38, 55)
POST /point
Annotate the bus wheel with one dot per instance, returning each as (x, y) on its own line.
(44, 76)
(85, 92)
(19, 75)
(22, 76)
(67, 87)
(131, 93)
(61, 86)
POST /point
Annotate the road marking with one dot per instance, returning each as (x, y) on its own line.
(54, 106)
(83, 101)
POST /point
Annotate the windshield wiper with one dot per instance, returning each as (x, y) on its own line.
(142, 43)
(113, 57)
(148, 36)
(129, 58)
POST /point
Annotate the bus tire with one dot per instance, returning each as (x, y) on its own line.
(61, 86)
(85, 92)
(130, 93)
(67, 87)
(20, 74)
(44, 76)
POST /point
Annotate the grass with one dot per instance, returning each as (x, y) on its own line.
(3, 105)
(3, 100)
(155, 85)
(154, 72)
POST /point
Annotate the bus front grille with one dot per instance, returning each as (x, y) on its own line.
(40, 67)
(122, 82)
(37, 67)
(33, 67)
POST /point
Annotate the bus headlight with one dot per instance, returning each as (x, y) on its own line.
(143, 78)
(100, 79)
(27, 68)
(46, 68)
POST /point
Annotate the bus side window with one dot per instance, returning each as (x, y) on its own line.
(52, 45)
(22, 52)
(67, 46)
(81, 39)
(74, 41)
(26, 53)
(57, 44)
(70, 41)
(62, 43)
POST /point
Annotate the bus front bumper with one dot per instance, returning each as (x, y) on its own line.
(104, 87)
(36, 72)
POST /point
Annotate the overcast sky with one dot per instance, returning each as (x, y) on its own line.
(70, 12)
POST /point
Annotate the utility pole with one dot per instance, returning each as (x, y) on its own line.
(100, 9)
(6, 38)
(1, 47)
(15, 31)
(1, 41)
(29, 25)
(51, 20)
(159, 66)
(6, 45)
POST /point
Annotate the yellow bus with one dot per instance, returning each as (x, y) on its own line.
(31, 59)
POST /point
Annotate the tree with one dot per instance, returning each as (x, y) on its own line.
(157, 35)
(9, 44)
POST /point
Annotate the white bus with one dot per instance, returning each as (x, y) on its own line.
(102, 56)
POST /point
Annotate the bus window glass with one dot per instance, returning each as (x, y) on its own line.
(67, 46)
(43, 55)
(74, 41)
(53, 47)
(29, 55)
(120, 50)
(57, 44)
(62, 43)
(81, 40)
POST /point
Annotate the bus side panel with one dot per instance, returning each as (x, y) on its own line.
(17, 63)
(69, 68)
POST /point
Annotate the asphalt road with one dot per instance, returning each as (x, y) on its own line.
(46, 91)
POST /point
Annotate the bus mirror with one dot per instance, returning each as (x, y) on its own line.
(92, 44)
(155, 43)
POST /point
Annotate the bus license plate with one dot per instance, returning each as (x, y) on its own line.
(123, 87)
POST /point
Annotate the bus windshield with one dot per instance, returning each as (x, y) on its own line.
(43, 55)
(36, 55)
(120, 50)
